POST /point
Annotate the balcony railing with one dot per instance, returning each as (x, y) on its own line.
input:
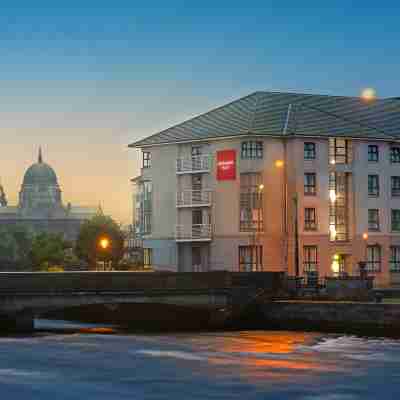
(193, 198)
(193, 233)
(194, 165)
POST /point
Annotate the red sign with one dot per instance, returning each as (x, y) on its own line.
(226, 165)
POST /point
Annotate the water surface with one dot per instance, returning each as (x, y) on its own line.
(70, 361)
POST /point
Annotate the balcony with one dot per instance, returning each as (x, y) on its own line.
(193, 233)
(194, 165)
(193, 198)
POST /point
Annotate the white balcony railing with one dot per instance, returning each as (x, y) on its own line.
(194, 198)
(197, 164)
(193, 233)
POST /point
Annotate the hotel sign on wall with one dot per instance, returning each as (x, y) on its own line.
(226, 165)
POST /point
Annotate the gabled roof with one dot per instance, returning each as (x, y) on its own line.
(295, 114)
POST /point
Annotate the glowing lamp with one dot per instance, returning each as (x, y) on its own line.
(365, 236)
(279, 163)
(261, 187)
(368, 94)
(104, 243)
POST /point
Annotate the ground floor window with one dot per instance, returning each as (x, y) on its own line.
(250, 258)
(395, 259)
(374, 258)
(147, 257)
(310, 258)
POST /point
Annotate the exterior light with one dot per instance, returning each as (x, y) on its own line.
(333, 162)
(104, 243)
(279, 163)
(336, 257)
(332, 195)
(365, 236)
(261, 187)
(368, 94)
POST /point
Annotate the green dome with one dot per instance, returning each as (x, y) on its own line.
(40, 173)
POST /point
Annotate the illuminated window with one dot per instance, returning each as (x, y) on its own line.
(147, 257)
(395, 186)
(252, 150)
(146, 159)
(250, 258)
(395, 154)
(374, 258)
(373, 185)
(373, 219)
(395, 259)
(310, 184)
(251, 202)
(373, 153)
(340, 151)
(309, 151)
(310, 219)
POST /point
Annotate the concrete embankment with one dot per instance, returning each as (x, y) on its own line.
(348, 317)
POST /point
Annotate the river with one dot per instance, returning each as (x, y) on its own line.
(77, 361)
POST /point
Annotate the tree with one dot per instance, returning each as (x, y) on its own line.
(47, 250)
(100, 239)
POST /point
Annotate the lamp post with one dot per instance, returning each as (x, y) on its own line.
(104, 245)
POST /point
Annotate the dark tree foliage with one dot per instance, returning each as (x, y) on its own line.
(88, 245)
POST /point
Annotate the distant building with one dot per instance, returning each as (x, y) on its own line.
(307, 184)
(40, 206)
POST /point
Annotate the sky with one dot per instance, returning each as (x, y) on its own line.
(85, 79)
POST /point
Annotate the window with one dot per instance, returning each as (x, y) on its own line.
(252, 149)
(144, 208)
(309, 151)
(310, 219)
(196, 151)
(310, 261)
(373, 220)
(374, 258)
(310, 184)
(395, 259)
(395, 154)
(146, 159)
(373, 185)
(395, 220)
(373, 153)
(251, 203)
(339, 151)
(395, 186)
(147, 257)
(250, 258)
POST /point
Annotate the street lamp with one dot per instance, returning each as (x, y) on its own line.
(104, 245)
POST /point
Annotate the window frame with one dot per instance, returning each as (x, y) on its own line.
(146, 159)
(310, 153)
(310, 224)
(395, 154)
(255, 255)
(252, 150)
(395, 186)
(373, 225)
(373, 191)
(395, 222)
(373, 153)
(394, 261)
(310, 189)
(147, 257)
(375, 264)
(310, 258)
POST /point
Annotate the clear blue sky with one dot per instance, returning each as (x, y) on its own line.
(86, 79)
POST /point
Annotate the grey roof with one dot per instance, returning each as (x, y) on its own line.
(267, 114)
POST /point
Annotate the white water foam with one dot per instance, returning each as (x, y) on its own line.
(182, 355)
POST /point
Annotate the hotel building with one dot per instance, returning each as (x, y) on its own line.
(275, 182)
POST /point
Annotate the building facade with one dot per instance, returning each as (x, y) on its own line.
(275, 181)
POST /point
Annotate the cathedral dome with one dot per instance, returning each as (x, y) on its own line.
(40, 173)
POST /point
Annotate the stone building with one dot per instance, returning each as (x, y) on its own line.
(40, 206)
